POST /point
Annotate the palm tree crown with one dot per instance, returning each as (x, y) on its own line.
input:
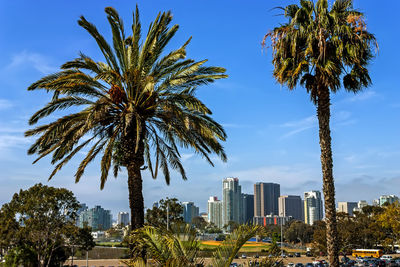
(320, 47)
(134, 109)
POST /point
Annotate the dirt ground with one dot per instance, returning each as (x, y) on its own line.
(117, 263)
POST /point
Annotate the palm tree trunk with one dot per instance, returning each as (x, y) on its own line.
(135, 195)
(323, 110)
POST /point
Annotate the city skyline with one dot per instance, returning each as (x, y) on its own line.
(272, 133)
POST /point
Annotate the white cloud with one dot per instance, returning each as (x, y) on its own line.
(235, 125)
(36, 60)
(299, 126)
(363, 96)
(5, 104)
(8, 141)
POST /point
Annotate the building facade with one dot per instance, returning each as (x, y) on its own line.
(347, 207)
(271, 220)
(123, 218)
(97, 218)
(389, 199)
(290, 206)
(189, 211)
(214, 212)
(266, 199)
(231, 200)
(247, 208)
(312, 207)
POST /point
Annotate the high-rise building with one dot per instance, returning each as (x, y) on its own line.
(248, 208)
(123, 218)
(290, 206)
(390, 199)
(214, 210)
(266, 199)
(312, 207)
(231, 200)
(96, 218)
(82, 207)
(189, 211)
(361, 204)
(347, 207)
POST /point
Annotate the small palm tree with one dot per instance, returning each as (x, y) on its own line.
(323, 50)
(177, 247)
(180, 246)
(229, 248)
(135, 109)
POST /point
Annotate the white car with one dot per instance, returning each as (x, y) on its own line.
(386, 258)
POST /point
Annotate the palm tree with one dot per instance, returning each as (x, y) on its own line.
(135, 109)
(323, 50)
(180, 246)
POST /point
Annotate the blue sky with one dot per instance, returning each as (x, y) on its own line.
(272, 132)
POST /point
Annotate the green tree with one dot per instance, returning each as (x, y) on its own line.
(199, 223)
(44, 218)
(389, 221)
(323, 50)
(157, 216)
(135, 109)
(298, 231)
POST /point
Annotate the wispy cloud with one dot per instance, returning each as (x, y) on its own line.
(299, 125)
(8, 141)
(235, 125)
(363, 96)
(5, 104)
(36, 60)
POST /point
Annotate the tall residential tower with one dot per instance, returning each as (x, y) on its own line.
(291, 206)
(312, 207)
(231, 200)
(266, 199)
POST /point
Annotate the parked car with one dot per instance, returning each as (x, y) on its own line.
(308, 254)
(290, 255)
(297, 254)
(290, 264)
(299, 265)
(309, 264)
(386, 258)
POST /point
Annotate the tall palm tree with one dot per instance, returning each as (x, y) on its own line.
(323, 50)
(135, 109)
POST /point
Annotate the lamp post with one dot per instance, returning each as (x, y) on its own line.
(167, 216)
(281, 218)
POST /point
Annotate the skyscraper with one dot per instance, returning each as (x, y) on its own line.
(266, 199)
(97, 218)
(347, 207)
(231, 200)
(291, 206)
(214, 210)
(189, 211)
(123, 218)
(248, 208)
(312, 207)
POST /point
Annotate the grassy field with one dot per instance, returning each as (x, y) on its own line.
(109, 244)
(248, 247)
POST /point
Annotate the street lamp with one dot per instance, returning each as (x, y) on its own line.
(281, 218)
